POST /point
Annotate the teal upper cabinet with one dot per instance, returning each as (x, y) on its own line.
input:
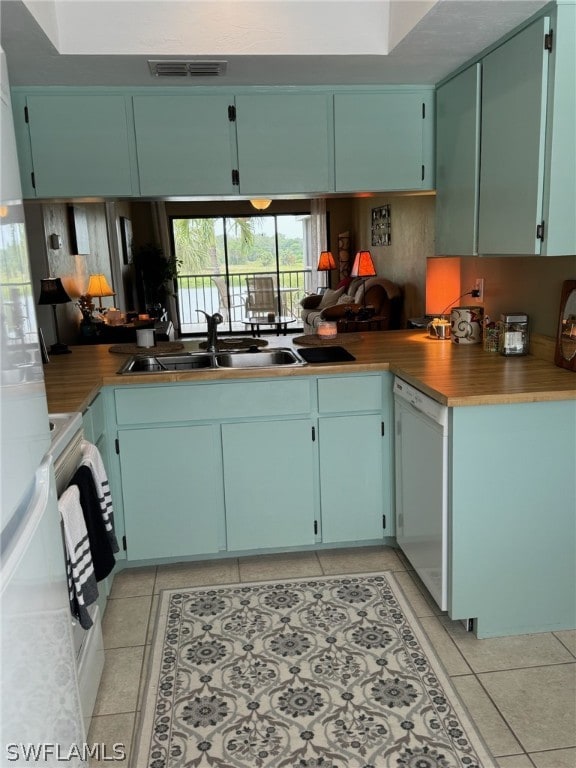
(78, 146)
(284, 143)
(514, 92)
(458, 163)
(383, 140)
(560, 191)
(526, 152)
(195, 142)
(185, 144)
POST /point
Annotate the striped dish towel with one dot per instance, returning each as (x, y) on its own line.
(82, 587)
(91, 458)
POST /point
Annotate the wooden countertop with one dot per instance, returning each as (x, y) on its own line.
(452, 374)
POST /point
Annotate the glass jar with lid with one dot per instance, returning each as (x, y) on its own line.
(514, 338)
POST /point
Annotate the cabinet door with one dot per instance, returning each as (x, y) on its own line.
(382, 141)
(458, 164)
(172, 491)
(184, 144)
(351, 478)
(514, 88)
(80, 145)
(284, 143)
(269, 484)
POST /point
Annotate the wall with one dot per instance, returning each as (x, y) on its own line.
(412, 241)
(522, 284)
(527, 284)
(44, 219)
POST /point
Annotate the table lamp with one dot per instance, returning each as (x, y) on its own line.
(325, 264)
(52, 292)
(98, 287)
(363, 267)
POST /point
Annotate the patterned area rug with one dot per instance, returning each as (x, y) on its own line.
(327, 672)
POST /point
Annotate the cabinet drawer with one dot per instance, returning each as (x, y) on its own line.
(350, 394)
(208, 402)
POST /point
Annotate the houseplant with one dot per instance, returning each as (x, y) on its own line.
(155, 274)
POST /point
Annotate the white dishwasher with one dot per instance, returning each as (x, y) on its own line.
(421, 453)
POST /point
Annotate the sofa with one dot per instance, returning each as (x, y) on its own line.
(384, 296)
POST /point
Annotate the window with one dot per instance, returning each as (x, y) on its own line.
(217, 254)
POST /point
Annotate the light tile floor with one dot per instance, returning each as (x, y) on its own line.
(520, 691)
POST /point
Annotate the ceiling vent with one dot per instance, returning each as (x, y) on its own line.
(186, 68)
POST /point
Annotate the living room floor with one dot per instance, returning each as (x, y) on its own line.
(520, 691)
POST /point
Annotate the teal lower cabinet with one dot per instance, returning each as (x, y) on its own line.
(172, 490)
(269, 481)
(512, 511)
(246, 466)
(355, 457)
(351, 478)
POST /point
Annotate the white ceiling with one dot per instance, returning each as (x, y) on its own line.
(265, 42)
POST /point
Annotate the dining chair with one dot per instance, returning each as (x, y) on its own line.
(262, 299)
(227, 304)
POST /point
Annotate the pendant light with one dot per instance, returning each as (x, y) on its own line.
(260, 203)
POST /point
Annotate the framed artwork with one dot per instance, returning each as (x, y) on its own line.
(78, 230)
(381, 230)
(344, 254)
(126, 238)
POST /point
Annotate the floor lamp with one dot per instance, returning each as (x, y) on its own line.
(52, 292)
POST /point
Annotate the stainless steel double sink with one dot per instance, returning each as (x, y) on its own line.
(191, 361)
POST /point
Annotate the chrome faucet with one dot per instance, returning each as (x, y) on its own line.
(213, 322)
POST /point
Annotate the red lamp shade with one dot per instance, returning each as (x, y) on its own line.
(326, 262)
(363, 265)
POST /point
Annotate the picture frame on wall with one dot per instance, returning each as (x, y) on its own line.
(344, 254)
(126, 239)
(381, 226)
(78, 230)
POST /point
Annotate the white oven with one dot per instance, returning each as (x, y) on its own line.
(67, 436)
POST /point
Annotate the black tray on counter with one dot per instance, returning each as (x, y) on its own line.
(325, 354)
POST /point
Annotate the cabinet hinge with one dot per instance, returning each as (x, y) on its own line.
(384, 521)
(232, 113)
(235, 177)
(423, 111)
(313, 434)
(117, 446)
(382, 428)
(124, 543)
(540, 231)
(33, 179)
(26, 115)
(423, 173)
(549, 41)
(315, 527)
